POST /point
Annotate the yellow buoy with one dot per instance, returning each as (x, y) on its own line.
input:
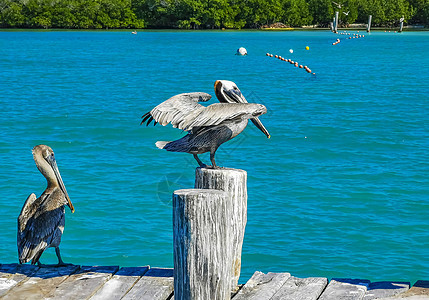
(307, 48)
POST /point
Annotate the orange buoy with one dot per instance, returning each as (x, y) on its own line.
(300, 66)
(276, 56)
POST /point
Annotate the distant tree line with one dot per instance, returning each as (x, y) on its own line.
(93, 14)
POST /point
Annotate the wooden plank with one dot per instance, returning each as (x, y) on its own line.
(156, 284)
(84, 283)
(120, 283)
(419, 291)
(262, 286)
(384, 289)
(6, 272)
(40, 285)
(345, 289)
(13, 274)
(301, 288)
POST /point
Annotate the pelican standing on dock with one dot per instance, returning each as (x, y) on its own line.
(207, 127)
(41, 221)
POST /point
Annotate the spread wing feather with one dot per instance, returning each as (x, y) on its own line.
(176, 108)
(218, 113)
(184, 112)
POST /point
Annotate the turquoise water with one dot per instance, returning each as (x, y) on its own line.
(340, 190)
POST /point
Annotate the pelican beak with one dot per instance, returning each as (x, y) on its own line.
(261, 127)
(54, 166)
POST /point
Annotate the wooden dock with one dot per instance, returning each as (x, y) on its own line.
(112, 282)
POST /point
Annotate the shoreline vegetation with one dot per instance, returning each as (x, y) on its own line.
(211, 14)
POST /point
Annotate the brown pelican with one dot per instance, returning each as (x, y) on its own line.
(207, 127)
(41, 221)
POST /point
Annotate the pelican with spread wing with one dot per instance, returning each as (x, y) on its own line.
(207, 127)
(41, 221)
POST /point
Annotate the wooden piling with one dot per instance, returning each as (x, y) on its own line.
(368, 27)
(233, 181)
(201, 239)
(401, 24)
(336, 21)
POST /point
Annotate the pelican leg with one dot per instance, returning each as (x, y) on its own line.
(60, 261)
(212, 159)
(202, 165)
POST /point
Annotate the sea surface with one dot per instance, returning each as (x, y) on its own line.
(340, 190)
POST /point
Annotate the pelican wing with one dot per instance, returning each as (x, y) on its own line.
(218, 113)
(176, 109)
(37, 229)
(26, 212)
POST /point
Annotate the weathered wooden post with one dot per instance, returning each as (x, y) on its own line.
(368, 27)
(401, 23)
(201, 239)
(233, 181)
(336, 21)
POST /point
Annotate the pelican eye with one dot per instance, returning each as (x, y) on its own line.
(236, 90)
(50, 156)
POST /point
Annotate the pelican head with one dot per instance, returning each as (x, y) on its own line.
(45, 160)
(227, 92)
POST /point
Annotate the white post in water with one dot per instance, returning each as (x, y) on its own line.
(233, 181)
(368, 28)
(401, 23)
(201, 239)
(336, 22)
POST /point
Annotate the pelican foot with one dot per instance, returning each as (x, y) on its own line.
(40, 265)
(63, 265)
(214, 167)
